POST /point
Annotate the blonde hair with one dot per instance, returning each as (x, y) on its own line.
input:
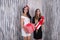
(36, 14)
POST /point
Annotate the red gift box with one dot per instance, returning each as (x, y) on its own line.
(29, 28)
(39, 24)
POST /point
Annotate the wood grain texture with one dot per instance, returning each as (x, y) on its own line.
(11, 10)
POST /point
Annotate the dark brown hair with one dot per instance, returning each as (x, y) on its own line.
(27, 12)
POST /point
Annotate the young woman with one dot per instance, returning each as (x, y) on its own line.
(25, 19)
(37, 33)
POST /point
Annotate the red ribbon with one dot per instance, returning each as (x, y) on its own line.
(39, 24)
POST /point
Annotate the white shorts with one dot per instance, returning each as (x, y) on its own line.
(24, 34)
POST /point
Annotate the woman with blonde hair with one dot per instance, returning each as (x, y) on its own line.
(37, 33)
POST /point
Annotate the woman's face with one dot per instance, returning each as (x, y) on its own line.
(38, 12)
(25, 9)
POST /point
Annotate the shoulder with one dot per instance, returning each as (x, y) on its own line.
(22, 16)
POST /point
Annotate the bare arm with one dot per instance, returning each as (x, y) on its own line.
(22, 22)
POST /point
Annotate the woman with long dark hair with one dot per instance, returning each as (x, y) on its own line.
(25, 19)
(37, 33)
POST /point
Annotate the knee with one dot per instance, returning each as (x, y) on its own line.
(29, 38)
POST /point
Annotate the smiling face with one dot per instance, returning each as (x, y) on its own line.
(37, 13)
(25, 10)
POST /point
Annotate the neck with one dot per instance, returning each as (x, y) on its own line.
(24, 14)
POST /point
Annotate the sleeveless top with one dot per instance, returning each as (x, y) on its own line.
(26, 20)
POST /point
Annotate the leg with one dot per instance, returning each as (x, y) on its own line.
(25, 38)
(36, 39)
(29, 37)
(39, 39)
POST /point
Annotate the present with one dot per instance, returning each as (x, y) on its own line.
(29, 28)
(39, 24)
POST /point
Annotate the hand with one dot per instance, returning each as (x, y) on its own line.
(42, 27)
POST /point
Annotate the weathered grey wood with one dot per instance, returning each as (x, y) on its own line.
(51, 10)
(10, 11)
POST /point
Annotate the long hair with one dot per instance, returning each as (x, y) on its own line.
(36, 16)
(27, 12)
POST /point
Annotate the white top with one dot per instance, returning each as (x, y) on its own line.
(26, 20)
